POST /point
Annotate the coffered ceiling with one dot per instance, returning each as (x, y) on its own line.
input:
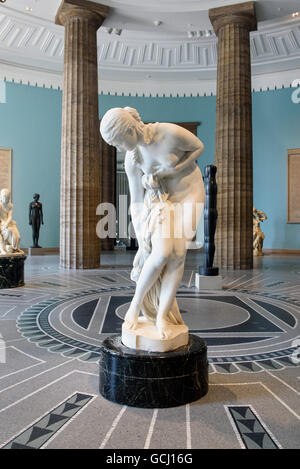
(147, 45)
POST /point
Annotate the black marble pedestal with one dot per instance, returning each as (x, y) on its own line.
(12, 271)
(153, 380)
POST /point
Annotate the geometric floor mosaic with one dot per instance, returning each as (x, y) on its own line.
(52, 328)
(243, 321)
(38, 434)
(250, 429)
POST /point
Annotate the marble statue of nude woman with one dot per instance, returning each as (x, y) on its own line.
(167, 199)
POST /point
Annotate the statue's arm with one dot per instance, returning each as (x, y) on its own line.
(192, 147)
(137, 191)
(183, 141)
(9, 216)
(30, 221)
(41, 212)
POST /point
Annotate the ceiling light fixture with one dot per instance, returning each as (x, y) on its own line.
(295, 14)
(28, 8)
(2, 1)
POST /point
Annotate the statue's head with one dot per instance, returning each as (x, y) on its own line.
(5, 196)
(121, 127)
(36, 197)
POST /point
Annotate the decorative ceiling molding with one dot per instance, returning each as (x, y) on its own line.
(41, 44)
(32, 48)
(48, 79)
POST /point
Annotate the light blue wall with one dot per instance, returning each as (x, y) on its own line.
(30, 124)
(276, 128)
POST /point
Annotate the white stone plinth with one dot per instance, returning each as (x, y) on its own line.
(146, 337)
(205, 282)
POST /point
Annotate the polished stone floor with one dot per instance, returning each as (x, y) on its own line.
(51, 330)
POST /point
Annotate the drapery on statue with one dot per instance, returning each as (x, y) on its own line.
(167, 199)
(36, 219)
(258, 236)
(9, 233)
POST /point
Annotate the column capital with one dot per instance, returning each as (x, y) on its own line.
(81, 9)
(243, 14)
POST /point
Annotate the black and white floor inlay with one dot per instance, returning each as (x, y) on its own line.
(51, 331)
(251, 331)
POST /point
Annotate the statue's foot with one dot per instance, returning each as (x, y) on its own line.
(165, 328)
(132, 317)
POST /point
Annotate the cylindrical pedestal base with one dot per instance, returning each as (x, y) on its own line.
(151, 379)
(12, 271)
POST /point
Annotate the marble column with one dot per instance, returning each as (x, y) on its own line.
(233, 152)
(80, 149)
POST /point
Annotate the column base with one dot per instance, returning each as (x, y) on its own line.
(203, 282)
(12, 271)
(151, 379)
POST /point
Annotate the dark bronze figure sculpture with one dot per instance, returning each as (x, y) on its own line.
(210, 221)
(35, 219)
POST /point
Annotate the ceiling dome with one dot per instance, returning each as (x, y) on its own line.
(162, 47)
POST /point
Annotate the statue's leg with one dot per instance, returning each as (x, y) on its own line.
(161, 251)
(188, 219)
(169, 285)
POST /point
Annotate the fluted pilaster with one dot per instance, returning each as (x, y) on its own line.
(233, 152)
(80, 150)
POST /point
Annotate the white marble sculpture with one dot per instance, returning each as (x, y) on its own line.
(9, 233)
(167, 199)
(258, 236)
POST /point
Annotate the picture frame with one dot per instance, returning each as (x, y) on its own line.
(293, 186)
(5, 168)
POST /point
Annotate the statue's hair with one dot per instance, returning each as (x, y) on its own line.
(117, 121)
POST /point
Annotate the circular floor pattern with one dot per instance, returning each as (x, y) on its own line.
(244, 331)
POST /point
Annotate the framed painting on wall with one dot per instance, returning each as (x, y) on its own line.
(5, 168)
(293, 205)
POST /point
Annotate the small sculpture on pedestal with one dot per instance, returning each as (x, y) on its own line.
(167, 199)
(210, 221)
(11, 256)
(36, 219)
(9, 233)
(258, 235)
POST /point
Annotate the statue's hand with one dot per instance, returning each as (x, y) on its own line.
(164, 171)
(30, 223)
